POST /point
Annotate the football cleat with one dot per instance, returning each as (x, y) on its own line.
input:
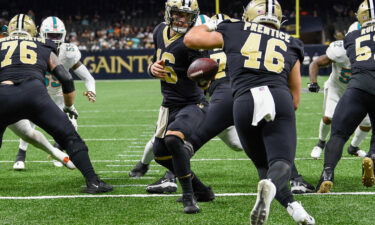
(316, 152)
(300, 186)
(19, 165)
(166, 184)
(139, 170)
(202, 196)
(326, 181)
(96, 186)
(189, 203)
(299, 214)
(266, 193)
(368, 178)
(355, 151)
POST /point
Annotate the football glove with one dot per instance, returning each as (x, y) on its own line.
(71, 112)
(313, 87)
(90, 95)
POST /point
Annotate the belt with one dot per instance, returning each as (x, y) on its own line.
(7, 82)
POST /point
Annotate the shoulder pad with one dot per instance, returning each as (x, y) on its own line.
(298, 48)
(336, 51)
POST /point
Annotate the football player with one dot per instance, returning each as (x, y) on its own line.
(357, 101)
(181, 109)
(25, 60)
(264, 68)
(69, 55)
(334, 88)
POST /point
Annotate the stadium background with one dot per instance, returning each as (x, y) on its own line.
(122, 120)
(115, 37)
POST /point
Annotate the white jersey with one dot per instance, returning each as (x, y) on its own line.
(341, 68)
(69, 55)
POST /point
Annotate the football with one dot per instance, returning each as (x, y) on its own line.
(203, 69)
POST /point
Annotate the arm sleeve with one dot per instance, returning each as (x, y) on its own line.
(83, 73)
(65, 78)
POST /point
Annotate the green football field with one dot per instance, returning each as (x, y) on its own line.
(117, 127)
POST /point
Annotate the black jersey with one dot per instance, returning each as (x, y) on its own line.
(24, 58)
(221, 77)
(360, 48)
(177, 88)
(258, 55)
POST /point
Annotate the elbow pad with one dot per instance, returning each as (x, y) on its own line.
(65, 78)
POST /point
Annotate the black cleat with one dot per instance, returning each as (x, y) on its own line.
(190, 204)
(202, 196)
(166, 184)
(96, 186)
(299, 186)
(139, 170)
(326, 181)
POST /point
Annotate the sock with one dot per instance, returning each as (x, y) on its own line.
(21, 155)
(23, 145)
(323, 130)
(82, 161)
(148, 154)
(279, 173)
(333, 151)
(186, 184)
(197, 184)
(294, 172)
(359, 136)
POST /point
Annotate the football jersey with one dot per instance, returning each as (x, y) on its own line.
(24, 58)
(221, 58)
(341, 68)
(177, 89)
(360, 45)
(258, 55)
(68, 55)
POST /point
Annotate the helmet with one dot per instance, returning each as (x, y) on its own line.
(22, 25)
(263, 11)
(220, 17)
(186, 6)
(365, 13)
(354, 26)
(53, 28)
(201, 19)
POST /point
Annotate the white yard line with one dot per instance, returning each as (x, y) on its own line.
(166, 195)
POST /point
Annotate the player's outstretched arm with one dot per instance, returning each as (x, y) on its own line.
(203, 37)
(66, 80)
(84, 74)
(321, 61)
(294, 83)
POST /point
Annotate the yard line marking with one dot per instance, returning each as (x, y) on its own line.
(133, 151)
(119, 165)
(136, 146)
(130, 155)
(124, 171)
(120, 111)
(165, 195)
(117, 125)
(129, 178)
(194, 160)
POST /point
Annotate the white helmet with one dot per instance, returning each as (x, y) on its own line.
(53, 28)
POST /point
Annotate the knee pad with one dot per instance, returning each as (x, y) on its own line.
(172, 142)
(281, 165)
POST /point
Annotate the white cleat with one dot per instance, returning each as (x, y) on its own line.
(316, 152)
(61, 158)
(361, 153)
(299, 214)
(261, 210)
(19, 165)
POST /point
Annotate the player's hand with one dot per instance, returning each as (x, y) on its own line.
(71, 112)
(157, 69)
(313, 87)
(204, 84)
(91, 96)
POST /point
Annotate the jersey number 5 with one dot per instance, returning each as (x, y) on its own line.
(273, 61)
(362, 53)
(27, 56)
